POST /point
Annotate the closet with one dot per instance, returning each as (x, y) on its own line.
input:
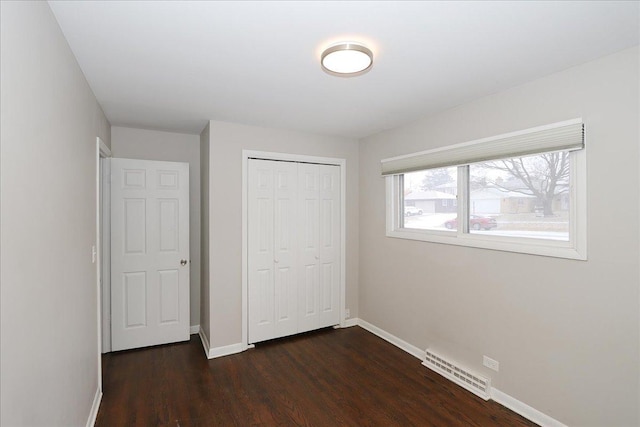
(294, 251)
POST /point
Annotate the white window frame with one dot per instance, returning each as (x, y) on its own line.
(575, 248)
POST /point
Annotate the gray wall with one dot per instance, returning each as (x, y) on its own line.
(143, 144)
(227, 141)
(49, 123)
(565, 332)
(205, 240)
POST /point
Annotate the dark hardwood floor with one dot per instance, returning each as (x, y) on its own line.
(343, 377)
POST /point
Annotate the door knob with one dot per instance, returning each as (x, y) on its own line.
(183, 262)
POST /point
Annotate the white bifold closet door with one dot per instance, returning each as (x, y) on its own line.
(273, 289)
(318, 246)
(294, 248)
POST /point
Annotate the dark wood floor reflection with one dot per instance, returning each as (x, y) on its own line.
(344, 377)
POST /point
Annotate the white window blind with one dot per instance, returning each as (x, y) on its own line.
(563, 136)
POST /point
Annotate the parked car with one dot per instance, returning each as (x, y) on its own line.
(476, 222)
(412, 210)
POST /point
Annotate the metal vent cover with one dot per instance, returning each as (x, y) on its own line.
(476, 384)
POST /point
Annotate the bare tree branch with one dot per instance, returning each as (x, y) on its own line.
(543, 176)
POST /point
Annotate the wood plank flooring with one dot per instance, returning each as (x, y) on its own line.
(343, 377)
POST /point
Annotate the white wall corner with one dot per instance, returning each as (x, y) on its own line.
(523, 409)
(401, 344)
(194, 329)
(91, 421)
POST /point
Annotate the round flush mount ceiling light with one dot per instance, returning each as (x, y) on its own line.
(347, 59)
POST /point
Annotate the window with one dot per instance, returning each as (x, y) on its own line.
(522, 196)
(428, 193)
(520, 192)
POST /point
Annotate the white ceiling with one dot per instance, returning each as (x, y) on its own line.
(175, 65)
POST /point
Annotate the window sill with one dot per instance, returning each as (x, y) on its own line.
(541, 247)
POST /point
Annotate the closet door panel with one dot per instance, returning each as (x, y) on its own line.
(261, 291)
(285, 248)
(308, 252)
(329, 250)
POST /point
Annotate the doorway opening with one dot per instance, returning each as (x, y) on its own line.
(103, 153)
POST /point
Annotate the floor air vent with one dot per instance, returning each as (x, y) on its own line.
(476, 384)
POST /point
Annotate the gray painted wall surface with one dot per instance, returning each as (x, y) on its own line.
(565, 332)
(49, 302)
(227, 140)
(173, 147)
(205, 303)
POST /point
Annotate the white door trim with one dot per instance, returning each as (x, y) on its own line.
(105, 255)
(342, 163)
(102, 151)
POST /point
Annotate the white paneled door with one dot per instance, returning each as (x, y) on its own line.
(319, 246)
(149, 253)
(293, 248)
(272, 247)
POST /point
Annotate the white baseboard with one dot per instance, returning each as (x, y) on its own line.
(205, 342)
(504, 399)
(401, 344)
(523, 409)
(348, 323)
(91, 421)
(194, 329)
(226, 350)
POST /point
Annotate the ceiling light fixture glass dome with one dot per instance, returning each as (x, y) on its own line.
(347, 59)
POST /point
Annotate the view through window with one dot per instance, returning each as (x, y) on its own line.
(526, 197)
(521, 197)
(430, 199)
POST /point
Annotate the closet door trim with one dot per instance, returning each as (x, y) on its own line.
(251, 154)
